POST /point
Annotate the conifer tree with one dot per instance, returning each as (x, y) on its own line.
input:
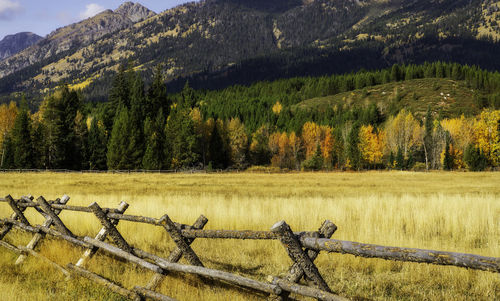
(21, 139)
(154, 156)
(97, 147)
(157, 95)
(136, 135)
(217, 153)
(118, 144)
(183, 142)
(7, 159)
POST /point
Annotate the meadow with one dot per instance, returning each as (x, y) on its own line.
(452, 211)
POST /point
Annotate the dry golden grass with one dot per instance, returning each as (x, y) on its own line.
(444, 211)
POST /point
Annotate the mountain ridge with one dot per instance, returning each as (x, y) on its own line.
(218, 39)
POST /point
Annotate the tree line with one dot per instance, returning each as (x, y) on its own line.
(143, 127)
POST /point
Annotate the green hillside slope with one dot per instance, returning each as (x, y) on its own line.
(450, 97)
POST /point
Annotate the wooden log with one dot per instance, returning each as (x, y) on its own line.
(104, 282)
(17, 210)
(73, 240)
(39, 236)
(303, 290)
(294, 250)
(182, 244)
(471, 261)
(176, 254)
(21, 226)
(111, 229)
(7, 227)
(325, 231)
(228, 234)
(53, 216)
(100, 236)
(162, 264)
(151, 294)
(31, 252)
(10, 247)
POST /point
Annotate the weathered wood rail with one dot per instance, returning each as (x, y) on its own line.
(302, 247)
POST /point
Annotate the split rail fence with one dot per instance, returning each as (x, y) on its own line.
(302, 247)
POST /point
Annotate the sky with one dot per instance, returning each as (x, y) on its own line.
(45, 16)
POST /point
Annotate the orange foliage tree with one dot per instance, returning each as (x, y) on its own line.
(8, 115)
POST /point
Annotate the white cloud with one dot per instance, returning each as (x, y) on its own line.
(91, 10)
(8, 9)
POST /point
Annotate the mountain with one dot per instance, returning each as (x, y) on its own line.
(215, 43)
(68, 39)
(15, 43)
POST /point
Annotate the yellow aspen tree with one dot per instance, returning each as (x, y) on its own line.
(285, 151)
(238, 141)
(487, 136)
(311, 137)
(461, 131)
(274, 147)
(403, 132)
(371, 145)
(277, 107)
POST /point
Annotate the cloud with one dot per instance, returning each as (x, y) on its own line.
(9, 9)
(91, 10)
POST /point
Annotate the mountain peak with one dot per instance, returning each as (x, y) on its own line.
(15, 43)
(134, 11)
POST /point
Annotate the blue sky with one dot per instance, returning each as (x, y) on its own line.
(44, 16)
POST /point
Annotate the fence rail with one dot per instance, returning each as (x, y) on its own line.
(302, 247)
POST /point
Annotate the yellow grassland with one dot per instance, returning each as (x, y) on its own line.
(444, 211)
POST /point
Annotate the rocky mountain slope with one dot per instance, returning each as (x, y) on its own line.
(15, 43)
(221, 42)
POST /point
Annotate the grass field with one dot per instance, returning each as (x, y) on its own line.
(444, 211)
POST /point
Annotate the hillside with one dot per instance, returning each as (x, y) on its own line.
(216, 43)
(12, 44)
(449, 97)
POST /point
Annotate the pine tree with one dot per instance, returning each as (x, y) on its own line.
(97, 147)
(183, 142)
(154, 156)
(59, 123)
(157, 96)
(7, 160)
(136, 135)
(217, 153)
(21, 140)
(400, 159)
(352, 151)
(119, 141)
(448, 158)
(119, 95)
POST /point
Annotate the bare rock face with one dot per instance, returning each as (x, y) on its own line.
(134, 11)
(15, 43)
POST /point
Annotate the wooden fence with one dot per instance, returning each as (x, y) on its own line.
(302, 247)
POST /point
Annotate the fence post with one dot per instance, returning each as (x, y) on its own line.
(180, 241)
(325, 231)
(6, 228)
(55, 219)
(39, 236)
(297, 254)
(17, 210)
(111, 229)
(101, 236)
(176, 254)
